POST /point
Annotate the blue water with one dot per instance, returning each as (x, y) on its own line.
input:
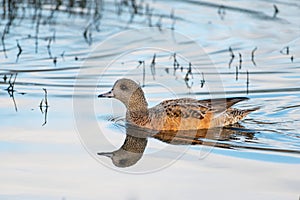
(273, 79)
(77, 52)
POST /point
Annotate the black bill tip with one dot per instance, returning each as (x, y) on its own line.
(106, 95)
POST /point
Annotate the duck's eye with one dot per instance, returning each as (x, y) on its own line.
(123, 87)
(123, 161)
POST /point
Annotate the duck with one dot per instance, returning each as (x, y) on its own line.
(175, 114)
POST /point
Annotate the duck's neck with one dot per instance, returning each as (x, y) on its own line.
(137, 102)
(137, 109)
(134, 144)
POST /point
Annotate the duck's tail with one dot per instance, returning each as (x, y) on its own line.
(231, 116)
(247, 111)
(235, 115)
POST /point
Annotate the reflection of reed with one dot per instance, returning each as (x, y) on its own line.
(202, 82)
(236, 73)
(142, 62)
(20, 51)
(286, 51)
(247, 82)
(5, 31)
(45, 13)
(13, 10)
(276, 11)
(44, 106)
(231, 57)
(11, 88)
(222, 12)
(240, 61)
(152, 66)
(252, 56)
(172, 16)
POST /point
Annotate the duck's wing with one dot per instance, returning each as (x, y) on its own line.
(193, 108)
(183, 108)
(226, 102)
(221, 104)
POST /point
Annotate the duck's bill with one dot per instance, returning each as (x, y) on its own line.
(107, 154)
(106, 95)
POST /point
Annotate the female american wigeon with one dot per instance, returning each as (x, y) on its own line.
(175, 114)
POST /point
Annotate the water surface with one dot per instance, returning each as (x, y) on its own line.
(48, 45)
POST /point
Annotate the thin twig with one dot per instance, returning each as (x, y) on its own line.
(46, 106)
(236, 73)
(252, 56)
(152, 66)
(221, 12)
(176, 64)
(62, 55)
(172, 16)
(37, 33)
(45, 116)
(4, 78)
(187, 76)
(203, 80)
(49, 48)
(276, 11)
(142, 62)
(20, 51)
(285, 50)
(159, 23)
(55, 61)
(46, 99)
(87, 34)
(247, 82)
(10, 89)
(240, 61)
(3, 41)
(232, 57)
(149, 14)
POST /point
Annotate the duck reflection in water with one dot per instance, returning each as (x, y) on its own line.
(175, 121)
(132, 149)
(136, 140)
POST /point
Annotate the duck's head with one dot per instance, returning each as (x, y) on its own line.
(128, 92)
(122, 158)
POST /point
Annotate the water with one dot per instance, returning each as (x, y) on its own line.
(60, 50)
